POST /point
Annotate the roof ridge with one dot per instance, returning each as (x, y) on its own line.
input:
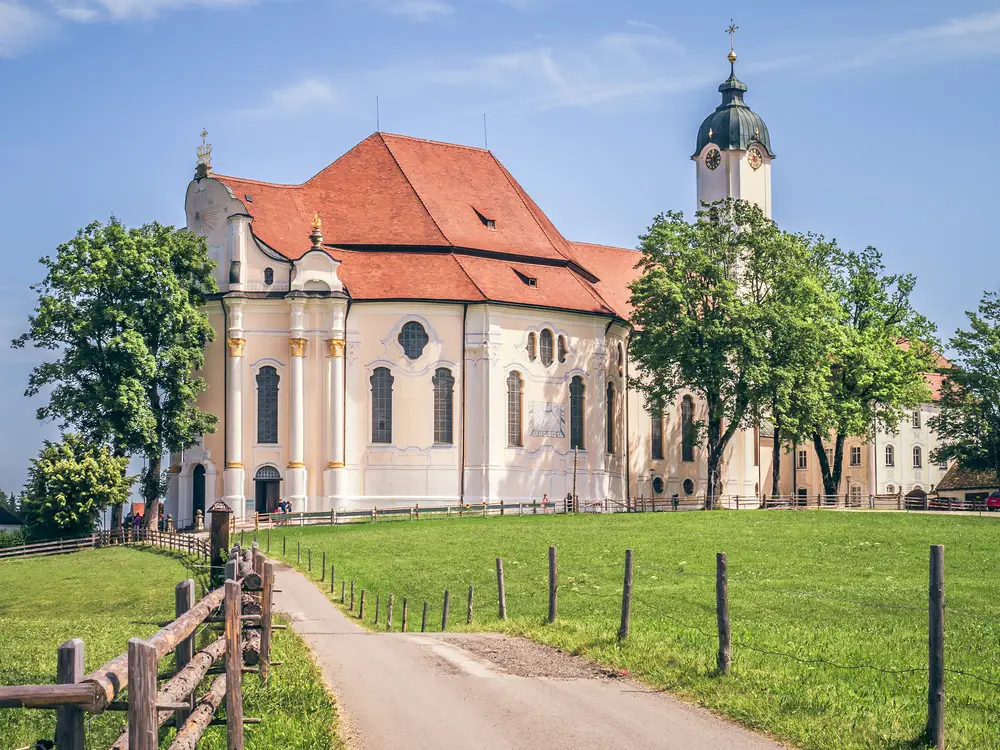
(468, 275)
(435, 142)
(414, 189)
(285, 185)
(519, 190)
(603, 244)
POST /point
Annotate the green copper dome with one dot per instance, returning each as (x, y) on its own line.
(733, 124)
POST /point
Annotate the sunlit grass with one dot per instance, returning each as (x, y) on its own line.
(106, 597)
(778, 563)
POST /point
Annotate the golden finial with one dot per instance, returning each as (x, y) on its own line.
(204, 168)
(709, 132)
(316, 235)
(732, 33)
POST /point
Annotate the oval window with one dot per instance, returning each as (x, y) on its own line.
(658, 485)
(268, 276)
(413, 338)
(688, 486)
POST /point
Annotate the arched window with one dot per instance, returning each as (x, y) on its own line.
(576, 395)
(621, 359)
(610, 403)
(531, 347)
(413, 338)
(918, 457)
(657, 433)
(561, 348)
(268, 276)
(687, 429)
(514, 389)
(890, 456)
(444, 386)
(545, 346)
(381, 381)
(267, 405)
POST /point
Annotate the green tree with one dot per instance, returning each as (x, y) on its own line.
(11, 502)
(878, 358)
(968, 426)
(709, 293)
(69, 485)
(122, 309)
(800, 328)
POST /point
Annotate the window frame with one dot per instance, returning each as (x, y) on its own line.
(688, 438)
(408, 337)
(265, 420)
(546, 347)
(443, 384)
(802, 460)
(381, 378)
(532, 346)
(515, 410)
(561, 348)
(855, 455)
(890, 455)
(577, 413)
(918, 457)
(609, 407)
(915, 419)
(656, 434)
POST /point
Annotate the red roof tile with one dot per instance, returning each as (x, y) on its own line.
(390, 199)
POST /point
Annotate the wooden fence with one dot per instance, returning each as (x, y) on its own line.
(182, 543)
(242, 607)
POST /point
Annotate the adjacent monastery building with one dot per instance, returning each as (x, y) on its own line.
(408, 326)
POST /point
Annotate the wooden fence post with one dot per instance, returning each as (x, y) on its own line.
(322, 570)
(378, 602)
(234, 668)
(333, 570)
(266, 597)
(309, 557)
(298, 558)
(553, 586)
(69, 719)
(423, 620)
(626, 598)
(722, 613)
(388, 614)
(935, 642)
(219, 541)
(468, 612)
(501, 591)
(183, 601)
(284, 545)
(361, 608)
(444, 613)
(403, 628)
(343, 585)
(143, 728)
(352, 596)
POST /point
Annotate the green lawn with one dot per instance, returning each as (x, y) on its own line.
(107, 596)
(789, 574)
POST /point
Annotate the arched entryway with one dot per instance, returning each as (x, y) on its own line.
(267, 489)
(198, 492)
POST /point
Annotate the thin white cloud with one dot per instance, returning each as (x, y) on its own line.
(417, 10)
(126, 10)
(973, 36)
(305, 95)
(20, 28)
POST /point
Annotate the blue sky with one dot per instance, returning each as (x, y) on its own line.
(877, 113)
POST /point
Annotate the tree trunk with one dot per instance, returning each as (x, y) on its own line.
(831, 475)
(776, 463)
(151, 493)
(117, 511)
(714, 459)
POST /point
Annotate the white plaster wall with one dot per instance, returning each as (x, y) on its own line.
(734, 178)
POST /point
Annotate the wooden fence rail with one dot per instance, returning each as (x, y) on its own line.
(185, 543)
(150, 705)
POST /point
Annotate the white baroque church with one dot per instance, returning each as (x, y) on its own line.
(407, 326)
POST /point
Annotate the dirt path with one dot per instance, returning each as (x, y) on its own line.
(414, 690)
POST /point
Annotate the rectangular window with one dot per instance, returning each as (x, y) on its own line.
(829, 457)
(803, 459)
(856, 492)
(890, 456)
(576, 393)
(444, 386)
(656, 438)
(916, 419)
(918, 458)
(514, 384)
(381, 381)
(856, 455)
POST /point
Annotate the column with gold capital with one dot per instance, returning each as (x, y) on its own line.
(295, 477)
(335, 468)
(233, 479)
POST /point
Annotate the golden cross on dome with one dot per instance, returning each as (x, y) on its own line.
(732, 33)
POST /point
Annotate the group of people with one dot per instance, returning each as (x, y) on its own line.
(284, 508)
(133, 520)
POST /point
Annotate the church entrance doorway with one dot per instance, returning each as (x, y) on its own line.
(198, 492)
(267, 487)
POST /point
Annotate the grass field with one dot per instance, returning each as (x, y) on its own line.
(107, 596)
(804, 589)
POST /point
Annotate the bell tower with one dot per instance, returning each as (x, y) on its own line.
(733, 154)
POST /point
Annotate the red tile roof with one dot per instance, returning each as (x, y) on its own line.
(417, 219)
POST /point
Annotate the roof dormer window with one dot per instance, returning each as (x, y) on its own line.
(486, 221)
(529, 280)
(249, 198)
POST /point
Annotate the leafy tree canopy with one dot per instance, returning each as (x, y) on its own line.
(69, 485)
(121, 310)
(968, 425)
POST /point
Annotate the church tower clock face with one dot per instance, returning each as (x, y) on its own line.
(755, 158)
(713, 158)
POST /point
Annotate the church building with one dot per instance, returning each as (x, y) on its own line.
(408, 326)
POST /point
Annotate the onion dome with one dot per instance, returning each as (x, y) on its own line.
(733, 125)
